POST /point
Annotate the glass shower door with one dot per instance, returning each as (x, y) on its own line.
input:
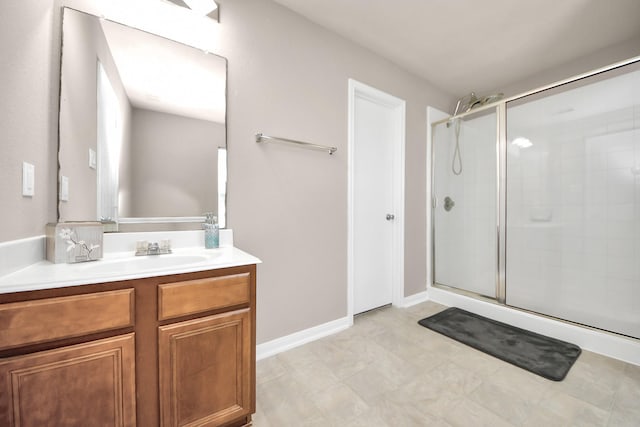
(465, 206)
(573, 202)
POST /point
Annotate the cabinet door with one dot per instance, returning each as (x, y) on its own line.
(206, 370)
(91, 384)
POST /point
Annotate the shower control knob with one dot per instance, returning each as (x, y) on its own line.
(391, 217)
(448, 203)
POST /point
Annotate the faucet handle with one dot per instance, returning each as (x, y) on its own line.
(165, 245)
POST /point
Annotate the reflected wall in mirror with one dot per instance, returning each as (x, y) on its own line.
(142, 128)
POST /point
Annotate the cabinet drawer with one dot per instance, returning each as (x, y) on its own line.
(195, 296)
(31, 322)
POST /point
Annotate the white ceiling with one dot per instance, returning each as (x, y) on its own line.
(477, 45)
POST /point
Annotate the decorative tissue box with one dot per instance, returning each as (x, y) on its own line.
(74, 242)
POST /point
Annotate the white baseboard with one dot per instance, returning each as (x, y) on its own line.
(278, 345)
(608, 344)
(415, 299)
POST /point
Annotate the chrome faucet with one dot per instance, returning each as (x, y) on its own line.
(153, 249)
(146, 248)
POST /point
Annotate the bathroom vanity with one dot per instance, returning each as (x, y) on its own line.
(162, 340)
(167, 346)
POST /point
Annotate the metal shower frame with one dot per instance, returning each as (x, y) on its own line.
(501, 177)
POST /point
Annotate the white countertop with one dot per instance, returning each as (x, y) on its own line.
(122, 266)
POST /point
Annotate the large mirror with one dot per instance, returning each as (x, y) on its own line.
(142, 128)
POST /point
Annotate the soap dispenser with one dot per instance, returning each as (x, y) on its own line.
(211, 231)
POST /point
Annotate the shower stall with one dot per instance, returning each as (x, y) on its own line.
(535, 202)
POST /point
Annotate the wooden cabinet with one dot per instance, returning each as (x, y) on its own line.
(80, 385)
(206, 370)
(171, 350)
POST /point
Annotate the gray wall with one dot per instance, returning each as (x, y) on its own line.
(29, 60)
(288, 77)
(173, 164)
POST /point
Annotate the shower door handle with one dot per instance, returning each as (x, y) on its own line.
(391, 217)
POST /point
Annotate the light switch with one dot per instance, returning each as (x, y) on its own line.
(64, 188)
(28, 179)
(92, 158)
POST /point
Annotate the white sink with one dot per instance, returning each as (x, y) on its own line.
(123, 265)
(151, 262)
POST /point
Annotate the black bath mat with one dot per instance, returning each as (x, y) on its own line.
(545, 356)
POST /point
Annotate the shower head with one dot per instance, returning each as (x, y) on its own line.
(465, 103)
(492, 98)
(471, 101)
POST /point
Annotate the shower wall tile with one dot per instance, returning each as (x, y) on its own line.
(619, 140)
(620, 186)
(623, 159)
(621, 212)
(596, 187)
(596, 212)
(571, 213)
(595, 161)
(620, 229)
(621, 268)
(597, 268)
(574, 166)
(621, 247)
(619, 126)
(572, 149)
(596, 230)
(573, 246)
(596, 247)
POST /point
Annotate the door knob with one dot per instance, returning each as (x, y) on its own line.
(391, 217)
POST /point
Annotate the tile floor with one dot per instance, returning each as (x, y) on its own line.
(387, 370)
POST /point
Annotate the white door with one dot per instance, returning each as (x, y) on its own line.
(376, 199)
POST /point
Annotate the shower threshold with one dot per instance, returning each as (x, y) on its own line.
(601, 341)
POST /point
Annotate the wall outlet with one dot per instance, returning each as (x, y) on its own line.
(64, 188)
(28, 179)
